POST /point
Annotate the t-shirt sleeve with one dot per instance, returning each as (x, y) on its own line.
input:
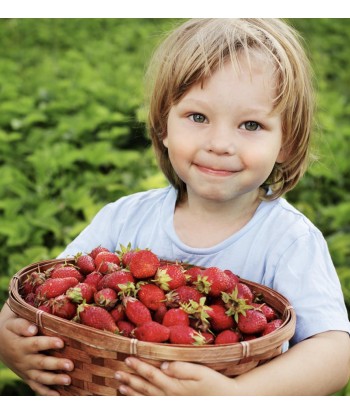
(101, 231)
(306, 275)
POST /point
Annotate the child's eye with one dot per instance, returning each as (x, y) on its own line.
(200, 118)
(251, 126)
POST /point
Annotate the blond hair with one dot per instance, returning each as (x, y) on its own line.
(194, 50)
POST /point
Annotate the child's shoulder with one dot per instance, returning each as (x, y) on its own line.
(290, 219)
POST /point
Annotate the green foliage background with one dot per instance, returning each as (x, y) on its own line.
(72, 134)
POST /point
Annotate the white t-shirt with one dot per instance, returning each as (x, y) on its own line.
(279, 247)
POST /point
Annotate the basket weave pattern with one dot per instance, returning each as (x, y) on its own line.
(98, 354)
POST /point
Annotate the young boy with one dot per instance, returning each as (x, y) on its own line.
(230, 118)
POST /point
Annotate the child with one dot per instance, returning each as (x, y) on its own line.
(230, 117)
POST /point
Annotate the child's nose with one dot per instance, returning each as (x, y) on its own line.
(222, 141)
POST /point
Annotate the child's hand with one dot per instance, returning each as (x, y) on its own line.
(173, 378)
(20, 351)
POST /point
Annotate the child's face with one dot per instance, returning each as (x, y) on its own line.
(222, 140)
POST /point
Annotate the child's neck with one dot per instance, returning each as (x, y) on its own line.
(204, 225)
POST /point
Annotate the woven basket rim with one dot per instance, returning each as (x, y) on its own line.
(159, 351)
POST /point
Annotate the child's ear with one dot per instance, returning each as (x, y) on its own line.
(165, 141)
(282, 156)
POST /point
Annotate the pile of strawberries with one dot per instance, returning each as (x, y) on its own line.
(133, 293)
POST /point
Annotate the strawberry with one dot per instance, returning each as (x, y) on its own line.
(193, 273)
(218, 318)
(93, 278)
(32, 281)
(54, 287)
(144, 263)
(152, 332)
(234, 279)
(125, 254)
(115, 279)
(227, 336)
(252, 321)
(62, 306)
(106, 297)
(107, 262)
(198, 313)
(85, 263)
(272, 326)
(66, 271)
(170, 276)
(213, 281)
(245, 292)
(136, 311)
(118, 312)
(126, 328)
(182, 294)
(234, 303)
(181, 334)
(175, 316)
(97, 317)
(46, 306)
(97, 250)
(30, 299)
(209, 337)
(268, 311)
(151, 296)
(81, 292)
(159, 313)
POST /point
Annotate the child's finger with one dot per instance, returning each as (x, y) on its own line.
(48, 378)
(40, 343)
(21, 327)
(183, 370)
(49, 363)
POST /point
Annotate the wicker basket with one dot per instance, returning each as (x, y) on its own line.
(97, 354)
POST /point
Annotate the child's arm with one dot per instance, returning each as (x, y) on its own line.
(20, 350)
(316, 366)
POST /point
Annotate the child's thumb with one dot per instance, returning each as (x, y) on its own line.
(181, 370)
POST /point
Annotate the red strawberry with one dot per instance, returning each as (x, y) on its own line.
(85, 263)
(81, 292)
(66, 271)
(151, 296)
(32, 281)
(181, 334)
(170, 276)
(194, 273)
(245, 292)
(115, 279)
(93, 278)
(97, 317)
(182, 294)
(107, 262)
(30, 299)
(272, 326)
(234, 279)
(46, 307)
(227, 336)
(63, 307)
(252, 321)
(106, 297)
(159, 314)
(152, 332)
(144, 264)
(176, 316)
(126, 328)
(218, 318)
(118, 312)
(54, 287)
(268, 311)
(97, 250)
(136, 311)
(213, 281)
(209, 337)
(125, 254)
